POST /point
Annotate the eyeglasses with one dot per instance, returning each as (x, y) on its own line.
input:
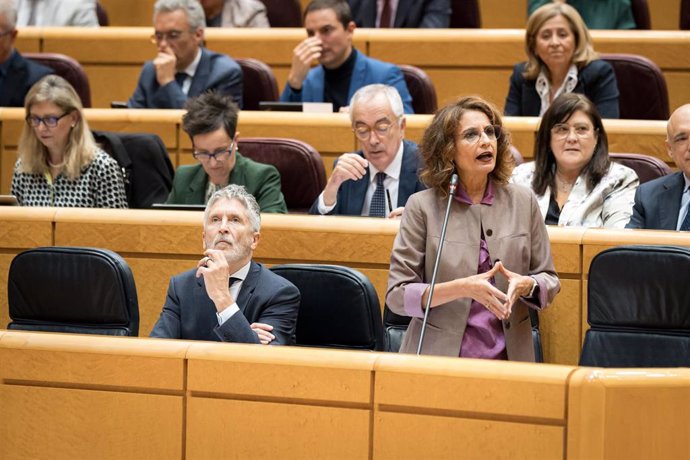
(472, 136)
(562, 130)
(171, 36)
(49, 121)
(382, 128)
(219, 155)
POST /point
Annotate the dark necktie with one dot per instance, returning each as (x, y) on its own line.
(233, 280)
(685, 226)
(377, 208)
(385, 21)
(180, 78)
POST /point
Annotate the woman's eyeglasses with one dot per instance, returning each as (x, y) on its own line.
(49, 121)
(219, 155)
(472, 136)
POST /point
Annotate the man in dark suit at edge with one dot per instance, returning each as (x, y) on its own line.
(17, 74)
(663, 203)
(228, 297)
(413, 14)
(386, 166)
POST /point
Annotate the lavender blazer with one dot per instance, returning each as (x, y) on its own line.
(515, 233)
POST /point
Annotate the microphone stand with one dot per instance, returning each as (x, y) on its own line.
(453, 185)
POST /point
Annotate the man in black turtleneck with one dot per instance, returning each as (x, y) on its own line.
(343, 69)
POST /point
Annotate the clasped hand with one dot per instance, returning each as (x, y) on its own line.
(497, 302)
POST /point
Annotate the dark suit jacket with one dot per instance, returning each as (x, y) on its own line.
(657, 203)
(21, 76)
(351, 194)
(366, 72)
(597, 81)
(265, 297)
(410, 13)
(215, 71)
(261, 180)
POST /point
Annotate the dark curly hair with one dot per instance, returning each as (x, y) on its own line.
(438, 144)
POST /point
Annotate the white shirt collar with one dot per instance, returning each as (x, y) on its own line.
(191, 68)
(242, 273)
(393, 169)
(543, 87)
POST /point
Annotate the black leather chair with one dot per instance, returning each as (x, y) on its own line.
(642, 87)
(646, 167)
(394, 326)
(302, 174)
(283, 13)
(684, 14)
(637, 300)
(465, 14)
(421, 89)
(72, 289)
(640, 11)
(259, 83)
(339, 307)
(145, 163)
(67, 68)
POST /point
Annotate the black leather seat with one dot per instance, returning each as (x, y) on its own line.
(421, 89)
(144, 160)
(684, 14)
(640, 11)
(283, 13)
(642, 87)
(258, 83)
(72, 289)
(465, 14)
(638, 311)
(339, 308)
(646, 167)
(302, 174)
(67, 68)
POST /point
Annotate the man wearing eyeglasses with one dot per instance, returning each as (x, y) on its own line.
(377, 180)
(211, 122)
(664, 203)
(17, 75)
(183, 68)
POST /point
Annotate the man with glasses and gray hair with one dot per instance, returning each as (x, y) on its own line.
(211, 123)
(228, 297)
(17, 74)
(377, 180)
(183, 68)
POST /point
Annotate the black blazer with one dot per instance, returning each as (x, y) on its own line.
(265, 297)
(657, 203)
(410, 13)
(351, 194)
(597, 81)
(21, 76)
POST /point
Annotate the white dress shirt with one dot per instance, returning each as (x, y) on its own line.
(240, 274)
(190, 71)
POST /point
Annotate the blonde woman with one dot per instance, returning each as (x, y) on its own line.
(59, 162)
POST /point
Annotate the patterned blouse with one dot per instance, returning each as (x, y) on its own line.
(100, 185)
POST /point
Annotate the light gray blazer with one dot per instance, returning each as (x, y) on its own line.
(609, 204)
(515, 233)
(244, 13)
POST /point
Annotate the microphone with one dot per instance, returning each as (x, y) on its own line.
(453, 185)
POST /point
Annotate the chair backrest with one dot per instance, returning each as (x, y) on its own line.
(259, 83)
(67, 68)
(684, 14)
(302, 174)
(394, 327)
(339, 307)
(465, 14)
(642, 87)
(144, 160)
(637, 301)
(102, 15)
(283, 13)
(640, 12)
(72, 289)
(421, 89)
(646, 167)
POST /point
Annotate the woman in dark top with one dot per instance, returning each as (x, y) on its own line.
(560, 59)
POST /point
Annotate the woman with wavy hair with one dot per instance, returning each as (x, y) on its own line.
(496, 261)
(560, 59)
(59, 162)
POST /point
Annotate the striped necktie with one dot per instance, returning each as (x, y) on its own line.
(377, 208)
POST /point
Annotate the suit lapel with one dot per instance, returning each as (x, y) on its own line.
(408, 174)
(314, 91)
(403, 7)
(203, 70)
(197, 186)
(671, 194)
(248, 286)
(17, 75)
(359, 74)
